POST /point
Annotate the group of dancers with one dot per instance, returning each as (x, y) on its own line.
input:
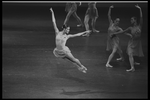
(134, 31)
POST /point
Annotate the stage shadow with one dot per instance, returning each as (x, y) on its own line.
(74, 93)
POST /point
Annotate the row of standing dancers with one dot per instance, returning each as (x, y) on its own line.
(134, 31)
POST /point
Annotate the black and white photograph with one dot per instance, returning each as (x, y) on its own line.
(74, 49)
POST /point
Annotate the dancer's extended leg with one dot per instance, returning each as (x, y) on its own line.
(74, 60)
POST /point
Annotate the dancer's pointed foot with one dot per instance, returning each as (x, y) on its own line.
(108, 65)
(130, 70)
(82, 69)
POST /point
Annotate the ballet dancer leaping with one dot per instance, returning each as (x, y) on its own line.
(61, 49)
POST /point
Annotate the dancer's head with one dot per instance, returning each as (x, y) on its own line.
(116, 21)
(66, 29)
(133, 20)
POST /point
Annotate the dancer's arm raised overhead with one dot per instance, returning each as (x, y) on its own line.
(141, 17)
(78, 34)
(109, 15)
(54, 21)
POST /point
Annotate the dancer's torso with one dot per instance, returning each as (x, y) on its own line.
(136, 32)
(61, 40)
(112, 29)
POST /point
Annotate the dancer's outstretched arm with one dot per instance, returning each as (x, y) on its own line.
(121, 31)
(109, 14)
(78, 34)
(141, 17)
(54, 21)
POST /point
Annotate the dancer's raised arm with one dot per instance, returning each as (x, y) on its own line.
(109, 14)
(141, 17)
(54, 21)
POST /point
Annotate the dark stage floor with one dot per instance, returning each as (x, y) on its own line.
(30, 70)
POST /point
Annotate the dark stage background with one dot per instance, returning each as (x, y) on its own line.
(32, 18)
(30, 70)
